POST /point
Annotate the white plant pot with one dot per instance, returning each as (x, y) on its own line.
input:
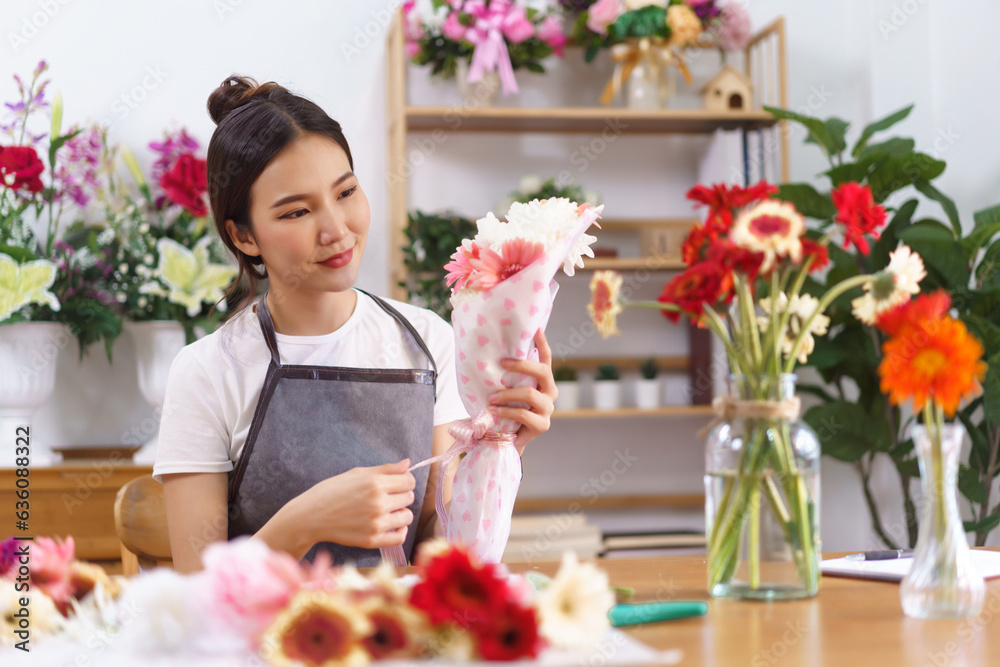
(28, 356)
(647, 393)
(607, 394)
(156, 344)
(569, 396)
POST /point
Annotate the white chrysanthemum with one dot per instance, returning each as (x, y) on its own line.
(800, 309)
(573, 609)
(890, 287)
(45, 618)
(771, 227)
(430, 17)
(161, 612)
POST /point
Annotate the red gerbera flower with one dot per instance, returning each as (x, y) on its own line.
(819, 253)
(722, 196)
(510, 634)
(23, 162)
(455, 589)
(696, 243)
(699, 285)
(858, 212)
(925, 308)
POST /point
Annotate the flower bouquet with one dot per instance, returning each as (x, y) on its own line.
(55, 278)
(502, 293)
(249, 598)
(746, 279)
(652, 34)
(489, 35)
(931, 357)
(168, 263)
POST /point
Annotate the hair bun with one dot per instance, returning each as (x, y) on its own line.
(233, 93)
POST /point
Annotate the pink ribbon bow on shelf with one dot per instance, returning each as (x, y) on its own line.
(468, 434)
(487, 33)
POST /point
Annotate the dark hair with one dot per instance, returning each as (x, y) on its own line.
(253, 124)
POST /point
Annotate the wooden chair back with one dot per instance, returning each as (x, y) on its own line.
(141, 523)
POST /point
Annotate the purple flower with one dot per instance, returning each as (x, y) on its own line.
(8, 557)
(704, 9)
(170, 149)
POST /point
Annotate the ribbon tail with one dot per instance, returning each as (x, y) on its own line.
(505, 69)
(622, 71)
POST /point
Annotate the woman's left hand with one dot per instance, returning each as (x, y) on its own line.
(535, 419)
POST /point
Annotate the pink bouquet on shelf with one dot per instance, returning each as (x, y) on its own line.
(502, 293)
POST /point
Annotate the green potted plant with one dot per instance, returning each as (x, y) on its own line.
(568, 388)
(607, 387)
(431, 238)
(647, 387)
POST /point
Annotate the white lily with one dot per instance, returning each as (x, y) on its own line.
(189, 274)
(21, 284)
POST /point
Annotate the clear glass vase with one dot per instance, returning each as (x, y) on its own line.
(942, 582)
(762, 490)
(650, 86)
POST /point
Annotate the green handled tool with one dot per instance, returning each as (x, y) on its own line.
(651, 612)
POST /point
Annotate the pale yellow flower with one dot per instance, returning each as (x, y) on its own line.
(890, 287)
(573, 609)
(21, 284)
(605, 305)
(800, 309)
(191, 277)
(317, 628)
(685, 26)
(773, 228)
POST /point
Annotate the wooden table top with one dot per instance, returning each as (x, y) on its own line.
(851, 623)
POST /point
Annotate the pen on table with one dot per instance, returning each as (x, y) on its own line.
(889, 554)
(651, 612)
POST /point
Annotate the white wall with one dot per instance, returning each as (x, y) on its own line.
(859, 60)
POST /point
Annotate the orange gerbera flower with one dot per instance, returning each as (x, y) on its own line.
(935, 359)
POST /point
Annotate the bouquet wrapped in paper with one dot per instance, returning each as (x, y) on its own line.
(502, 293)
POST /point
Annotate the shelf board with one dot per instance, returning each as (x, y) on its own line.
(604, 502)
(678, 363)
(580, 119)
(663, 411)
(632, 263)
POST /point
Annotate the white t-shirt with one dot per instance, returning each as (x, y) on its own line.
(214, 383)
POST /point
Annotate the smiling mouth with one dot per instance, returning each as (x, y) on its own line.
(339, 259)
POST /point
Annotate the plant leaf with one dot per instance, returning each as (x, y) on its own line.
(807, 200)
(878, 126)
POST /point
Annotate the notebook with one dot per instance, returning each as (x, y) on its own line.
(986, 563)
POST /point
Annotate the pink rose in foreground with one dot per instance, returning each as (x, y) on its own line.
(602, 14)
(50, 569)
(452, 28)
(516, 26)
(551, 33)
(249, 583)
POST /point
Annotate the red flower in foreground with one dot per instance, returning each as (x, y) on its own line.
(819, 253)
(924, 308)
(722, 196)
(858, 213)
(453, 588)
(699, 285)
(510, 634)
(23, 162)
(186, 184)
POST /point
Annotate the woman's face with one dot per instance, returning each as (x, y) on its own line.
(306, 207)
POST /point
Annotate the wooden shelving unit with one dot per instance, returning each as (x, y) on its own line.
(662, 411)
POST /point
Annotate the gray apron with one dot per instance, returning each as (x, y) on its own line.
(314, 422)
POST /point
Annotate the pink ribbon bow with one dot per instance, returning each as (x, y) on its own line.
(491, 49)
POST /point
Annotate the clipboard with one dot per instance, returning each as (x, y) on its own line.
(985, 562)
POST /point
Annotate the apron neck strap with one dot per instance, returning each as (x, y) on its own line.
(267, 326)
(406, 325)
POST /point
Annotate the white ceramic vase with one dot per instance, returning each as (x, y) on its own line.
(28, 356)
(157, 342)
(647, 393)
(569, 396)
(607, 394)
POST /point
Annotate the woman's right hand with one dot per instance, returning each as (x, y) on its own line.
(363, 507)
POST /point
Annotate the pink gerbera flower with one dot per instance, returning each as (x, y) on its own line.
(460, 268)
(492, 268)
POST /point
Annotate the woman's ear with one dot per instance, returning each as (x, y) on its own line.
(242, 239)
